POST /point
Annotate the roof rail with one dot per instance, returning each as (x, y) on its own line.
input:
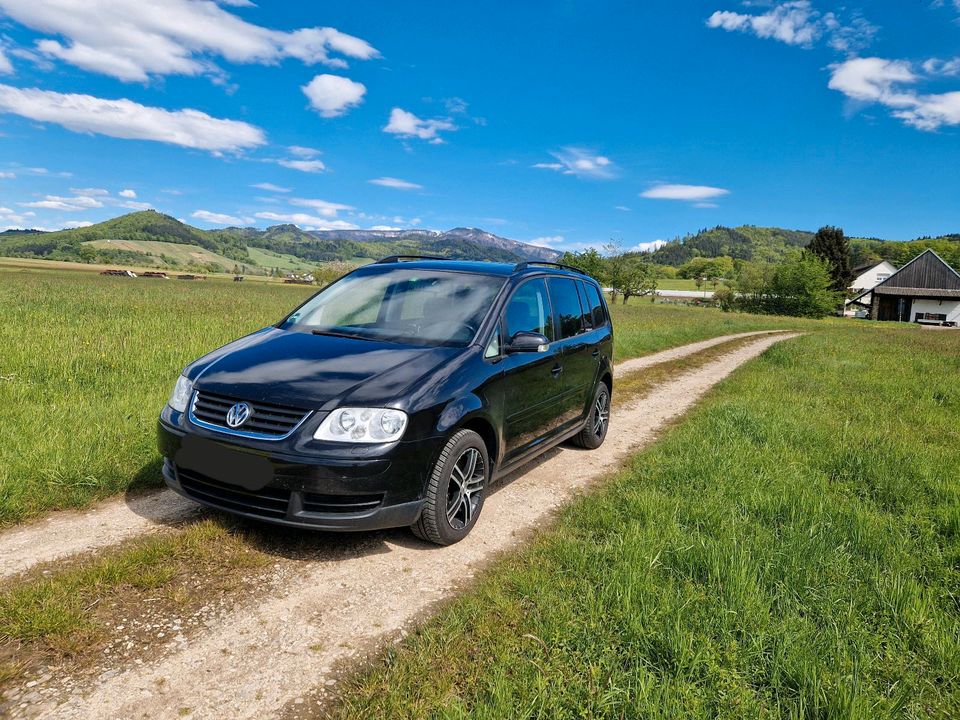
(527, 263)
(401, 258)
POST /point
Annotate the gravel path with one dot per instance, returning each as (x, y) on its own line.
(364, 590)
(63, 534)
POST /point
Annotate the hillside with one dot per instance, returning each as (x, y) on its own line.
(769, 244)
(146, 238)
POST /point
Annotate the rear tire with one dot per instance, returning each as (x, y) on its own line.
(455, 491)
(598, 421)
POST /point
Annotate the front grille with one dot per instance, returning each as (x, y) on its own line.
(317, 503)
(268, 502)
(266, 419)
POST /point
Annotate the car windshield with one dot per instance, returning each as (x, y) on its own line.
(420, 307)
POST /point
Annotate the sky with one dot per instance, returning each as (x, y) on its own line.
(564, 123)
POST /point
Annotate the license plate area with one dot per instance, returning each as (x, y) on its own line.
(224, 464)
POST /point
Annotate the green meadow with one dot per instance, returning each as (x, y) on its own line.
(791, 550)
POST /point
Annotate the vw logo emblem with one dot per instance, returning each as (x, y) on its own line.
(238, 414)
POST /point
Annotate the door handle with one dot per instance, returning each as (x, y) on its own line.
(557, 369)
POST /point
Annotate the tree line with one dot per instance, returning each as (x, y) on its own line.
(810, 282)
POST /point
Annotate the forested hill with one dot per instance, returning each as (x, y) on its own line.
(766, 244)
(148, 235)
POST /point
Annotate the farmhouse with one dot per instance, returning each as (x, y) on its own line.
(926, 290)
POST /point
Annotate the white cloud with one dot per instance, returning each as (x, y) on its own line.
(406, 124)
(216, 218)
(581, 163)
(270, 187)
(396, 183)
(622, 208)
(7, 175)
(309, 166)
(308, 222)
(648, 246)
(325, 208)
(333, 95)
(90, 192)
(6, 67)
(546, 241)
(689, 193)
(304, 152)
(65, 204)
(131, 40)
(130, 120)
(876, 80)
(945, 68)
(385, 227)
(133, 205)
(127, 193)
(798, 23)
(76, 224)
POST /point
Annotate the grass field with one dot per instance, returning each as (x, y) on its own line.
(792, 550)
(270, 259)
(178, 252)
(86, 363)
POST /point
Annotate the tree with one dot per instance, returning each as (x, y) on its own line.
(328, 272)
(831, 246)
(590, 261)
(639, 278)
(800, 286)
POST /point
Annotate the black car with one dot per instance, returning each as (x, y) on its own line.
(394, 397)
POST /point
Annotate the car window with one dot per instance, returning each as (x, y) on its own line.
(529, 310)
(493, 347)
(584, 305)
(405, 305)
(566, 306)
(597, 316)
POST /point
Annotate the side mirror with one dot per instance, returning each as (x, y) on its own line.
(528, 342)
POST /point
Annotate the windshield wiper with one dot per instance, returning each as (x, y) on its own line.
(337, 333)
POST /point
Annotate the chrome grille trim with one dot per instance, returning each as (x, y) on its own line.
(268, 422)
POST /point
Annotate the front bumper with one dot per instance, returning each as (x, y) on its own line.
(303, 491)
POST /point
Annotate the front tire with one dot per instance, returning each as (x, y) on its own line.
(455, 491)
(598, 421)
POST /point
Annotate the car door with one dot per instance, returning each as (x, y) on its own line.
(532, 381)
(573, 344)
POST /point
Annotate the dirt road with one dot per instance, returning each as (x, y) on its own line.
(361, 591)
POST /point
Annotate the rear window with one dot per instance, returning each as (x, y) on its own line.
(566, 306)
(597, 316)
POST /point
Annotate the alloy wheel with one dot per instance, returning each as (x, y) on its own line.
(601, 414)
(464, 490)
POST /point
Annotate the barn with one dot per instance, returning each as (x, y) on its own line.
(926, 290)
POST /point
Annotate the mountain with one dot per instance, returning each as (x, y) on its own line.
(474, 236)
(152, 238)
(771, 244)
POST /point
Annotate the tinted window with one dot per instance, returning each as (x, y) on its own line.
(566, 306)
(584, 305)
(529, 310)
(597, 316)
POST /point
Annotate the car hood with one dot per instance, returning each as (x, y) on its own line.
(315, 371)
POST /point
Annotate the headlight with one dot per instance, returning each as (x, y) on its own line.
(180, 397)
(362, 425)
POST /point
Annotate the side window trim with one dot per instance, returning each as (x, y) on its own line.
(586, 315)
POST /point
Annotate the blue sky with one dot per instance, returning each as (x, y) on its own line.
(564, 123)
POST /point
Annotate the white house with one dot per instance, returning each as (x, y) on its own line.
(869, 276)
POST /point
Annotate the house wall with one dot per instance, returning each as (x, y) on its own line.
(950, 307)
(870, 279)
